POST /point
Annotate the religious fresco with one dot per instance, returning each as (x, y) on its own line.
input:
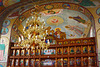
(99, 20)
(49, 7)
(4, 44)
(17, 12)
(3, 64)
(85, 2)
(4, 31)
(66, 6)
(73, 23)
(66, 23)
(9, 2)
(98, 11)
(14, 36)
(6, 23)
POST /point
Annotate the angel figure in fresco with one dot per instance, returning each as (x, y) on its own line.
(75, 29)
(79, 20)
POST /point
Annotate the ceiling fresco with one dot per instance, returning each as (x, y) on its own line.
(70, 19)
(72, 22)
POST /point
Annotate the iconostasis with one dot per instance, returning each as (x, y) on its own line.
(70, 19)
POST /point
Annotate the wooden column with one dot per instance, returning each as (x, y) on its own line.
(55, 62)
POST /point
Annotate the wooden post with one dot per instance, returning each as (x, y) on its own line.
(55, 62)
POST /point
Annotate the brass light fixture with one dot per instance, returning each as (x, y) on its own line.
(34, 33)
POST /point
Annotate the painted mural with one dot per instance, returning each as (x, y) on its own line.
(9, 2)
(3, 64)
(17, 12)
(75, 24)
(85, 2)
(98, 11)
(72, 22)
(4, 44)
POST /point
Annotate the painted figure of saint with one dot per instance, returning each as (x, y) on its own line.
(75, 29)
(17, 52)
(16, 63)
(78, 50)
(78, 61)
(32, 62)
(59, 51)
(92, 61)
(71, 61)
(22, 52)
(21, 62)
(27, 52)
(72, 50)
(91, 49)
(37, 52)
(26, 62)
(6, 23)
(85, 49)
(59, 63)
(32, 52)
(4, 31)
(65, 51)
(65, 62)
(85, 61)
(58, 32)
(37, 63)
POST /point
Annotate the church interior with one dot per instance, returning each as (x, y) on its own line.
(49, 33)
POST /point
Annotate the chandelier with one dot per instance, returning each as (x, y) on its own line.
(34, 33)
